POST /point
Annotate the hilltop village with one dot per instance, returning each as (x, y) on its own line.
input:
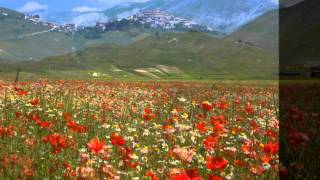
(66, 28)
(155, 19)
(145, 18)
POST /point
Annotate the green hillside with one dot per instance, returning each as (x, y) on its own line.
(299, 29)
(263, 32)
(14, 25)
(169, 55)
(18, 42)
(22, 40)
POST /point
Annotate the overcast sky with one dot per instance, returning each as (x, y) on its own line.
(61, 5)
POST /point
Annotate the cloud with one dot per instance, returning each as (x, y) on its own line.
(32, 6)
(128, 13)
(110, 3)
(84, 9)
(89, 19)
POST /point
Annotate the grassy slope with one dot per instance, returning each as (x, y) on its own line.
(13, 25)
(193, 55)
(15, 48)
(300, 26)
(264, 32)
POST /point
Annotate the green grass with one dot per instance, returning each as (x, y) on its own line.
(16, 45)
(14, 25)
(192, 56)
(263, 31)
(134, 53)
(56, 43)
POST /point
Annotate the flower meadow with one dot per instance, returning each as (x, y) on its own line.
(138, 130)
(300, 122)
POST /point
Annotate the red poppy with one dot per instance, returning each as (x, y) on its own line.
(152, 175)
(95, 145)
(239, 118)
(271, 133)
(206, 106)
(200, 116)
(296, 115)
(193, 174)
(20, 91)
(237, 101)
(246, 149)
(2, 131)
(216, 163)
(148, 114)
(116, 139)
(169, 121)
(35, 118)
(18, 114)
(213, 177)
(180, 177)
(254, 126)
(40, 123)
(130, 164)
(211, 142)
(10, 131)
(239, 163)
(67, 116)
(222, 105)
(44, 124)
(6, 131)
(258, 170)
(34, 102)
(248, 109)
(266, 159)
(69, 172)
(218, 127)
(201, 126)
(56, 141)
(167, 127)
(147, 110)
(218, 119)
(271, 148)
(297, 139)
(283, 171)
(75, 127)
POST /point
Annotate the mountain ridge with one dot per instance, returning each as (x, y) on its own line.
(223, 16)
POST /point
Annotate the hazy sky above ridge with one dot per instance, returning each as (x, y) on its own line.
(61, 5)
(87, 12)
(27, 6)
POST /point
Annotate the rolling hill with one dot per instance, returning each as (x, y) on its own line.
(299, 35)
(21, 39)
(169, 55)
(136, 53)
(263, 32)
(24, 40)
(14, 25)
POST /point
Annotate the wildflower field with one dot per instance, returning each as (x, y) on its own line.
(138, 130)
